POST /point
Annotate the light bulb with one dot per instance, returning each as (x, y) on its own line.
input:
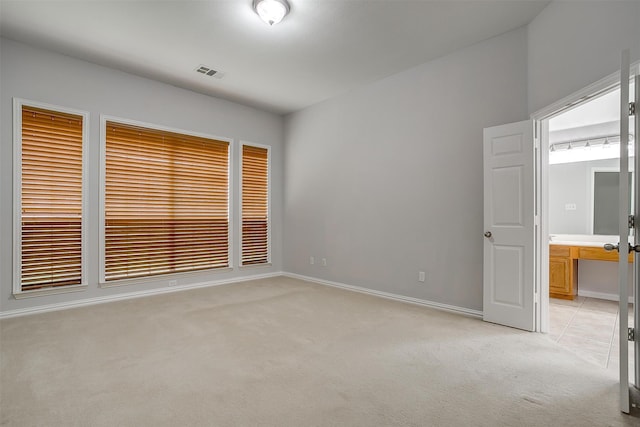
(271, 11)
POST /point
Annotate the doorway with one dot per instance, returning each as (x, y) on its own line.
(520, 261)
(582, 143)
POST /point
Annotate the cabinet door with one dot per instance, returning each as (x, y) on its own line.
(560, 276)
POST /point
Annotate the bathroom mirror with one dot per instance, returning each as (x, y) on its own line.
(583, 197)
(605, 188)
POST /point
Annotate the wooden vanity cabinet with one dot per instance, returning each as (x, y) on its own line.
(563, 267)
(563, 272)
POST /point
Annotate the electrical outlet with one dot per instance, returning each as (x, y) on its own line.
(421, 276)
(173, 283)
(312, 260)
(324, 262)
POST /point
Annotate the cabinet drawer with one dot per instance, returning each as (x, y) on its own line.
(559, 251)
(600, 254)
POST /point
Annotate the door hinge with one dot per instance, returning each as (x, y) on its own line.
(536, 143)
(536, 298)
(632, 108)
(631, 221)
(631, 334)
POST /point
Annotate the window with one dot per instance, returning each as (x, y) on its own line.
(166, 202)
(49, 184)
(255, 205)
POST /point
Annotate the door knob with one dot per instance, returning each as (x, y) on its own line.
(487, 234)
(611, 247)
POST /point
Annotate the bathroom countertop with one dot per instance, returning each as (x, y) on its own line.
(595, 241)
(576, 243)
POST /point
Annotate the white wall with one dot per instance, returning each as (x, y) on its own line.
(43, 76)
(572, 44)
(386, 181)
(572, 183)
(599, 279)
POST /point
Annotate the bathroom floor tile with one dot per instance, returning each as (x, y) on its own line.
(582, 332)
(577, 302)
(589, 327)
(598, 305)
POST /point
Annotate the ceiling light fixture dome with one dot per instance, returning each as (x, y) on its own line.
(271, 11)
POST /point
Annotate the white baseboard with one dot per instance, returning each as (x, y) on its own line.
(601, 295)
(159, 291)
(130, 295)
(395, 297)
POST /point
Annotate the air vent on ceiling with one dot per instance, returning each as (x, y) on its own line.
(208, 71)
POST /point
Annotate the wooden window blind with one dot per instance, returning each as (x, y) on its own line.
(166, 202)
(51, 199)
(255, 205)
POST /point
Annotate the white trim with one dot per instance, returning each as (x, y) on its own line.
(230, 199)
(102, 199)
(166, 290)
(17, 192)
(161, 277)
(250, 266)
(542, 230)
(594, 90)
(50, 291)
(104, 118)
(600, 295)
(130, 295)
(18, 103)
(268, 148)
(387, 295)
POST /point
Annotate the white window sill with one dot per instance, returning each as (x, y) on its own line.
(161, 277)
(244, 267)
(49, 291)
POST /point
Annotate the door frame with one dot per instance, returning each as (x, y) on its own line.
(541, 136)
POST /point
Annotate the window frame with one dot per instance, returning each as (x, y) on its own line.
(269, 260)
(102, 282)
(18, 293)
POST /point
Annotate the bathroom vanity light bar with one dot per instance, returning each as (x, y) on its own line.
(605, 147)
(601, 142)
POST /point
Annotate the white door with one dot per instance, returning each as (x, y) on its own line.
(636, 190)
(509, 193)
(624, 230)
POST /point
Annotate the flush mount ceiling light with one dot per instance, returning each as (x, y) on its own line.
(271, 11)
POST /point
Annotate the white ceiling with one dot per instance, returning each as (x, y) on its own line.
(323, 48)
(604, 109)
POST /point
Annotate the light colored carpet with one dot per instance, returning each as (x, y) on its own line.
(282, 352)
